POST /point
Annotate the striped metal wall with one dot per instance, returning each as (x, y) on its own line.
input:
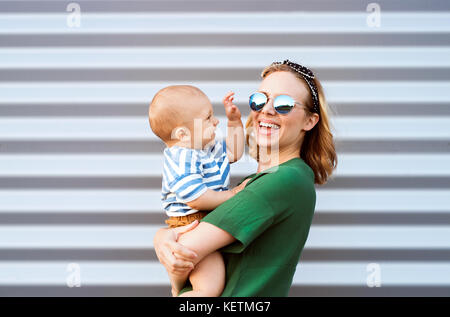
(80, 170)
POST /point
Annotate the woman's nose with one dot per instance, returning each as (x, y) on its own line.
(216, 121)
(268, 108)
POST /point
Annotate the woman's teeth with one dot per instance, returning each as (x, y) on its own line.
(269, 125)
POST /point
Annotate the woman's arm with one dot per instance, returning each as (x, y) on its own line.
(181, 248)
(205, 239)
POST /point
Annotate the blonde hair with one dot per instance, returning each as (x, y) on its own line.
(318, 149)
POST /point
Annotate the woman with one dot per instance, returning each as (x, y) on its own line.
(262, 230)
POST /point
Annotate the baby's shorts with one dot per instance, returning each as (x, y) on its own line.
(179, 221)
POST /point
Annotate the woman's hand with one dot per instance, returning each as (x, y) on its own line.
(240, 187)
(180, 260)
(176, 258)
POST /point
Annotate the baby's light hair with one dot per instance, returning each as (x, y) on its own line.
(166, 106)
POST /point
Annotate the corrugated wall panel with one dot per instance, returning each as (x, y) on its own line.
(80, 170)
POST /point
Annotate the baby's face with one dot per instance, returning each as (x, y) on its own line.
(202, 123)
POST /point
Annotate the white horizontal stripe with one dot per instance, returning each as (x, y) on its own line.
(96, 165)
(87, 201)
(140, 236)
(137, 92)
(149, 201)
(220, 57)
(391, 128)
(289, 22)
(381, 201)
(151, 165)
(358, 273)
(79, 128)
(410, 237)
(153, 273)
(393, 165)
(126, 91)
(90, 273)
(137, 128)
(92, 237)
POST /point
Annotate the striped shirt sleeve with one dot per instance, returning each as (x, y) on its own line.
(183, 169)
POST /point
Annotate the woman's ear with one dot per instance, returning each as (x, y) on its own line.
(311, 121)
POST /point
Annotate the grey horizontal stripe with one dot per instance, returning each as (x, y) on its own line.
(221, 6)
(75, 110)
(79, 183)
(308, 255)
(127, 218)
(122, 147)
(81, 147)
(141, 109)
(39, 254)
(198, 40)
(388, 183)
(385, 218)
(212, 74)
(390, 109)
(374, 255)
(84, 218)
(130, 74)
(381, 146)
(164, 291)
(154, 182)
(360, 291)
(382, 74)
(88, 291)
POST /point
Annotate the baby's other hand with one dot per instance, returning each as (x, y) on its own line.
(232, 111)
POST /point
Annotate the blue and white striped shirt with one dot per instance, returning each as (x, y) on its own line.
(188, 173)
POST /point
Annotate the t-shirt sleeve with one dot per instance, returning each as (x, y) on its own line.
(249, 213)
(184, 171)
(245, 217)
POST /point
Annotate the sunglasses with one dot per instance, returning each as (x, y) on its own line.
(282, 104)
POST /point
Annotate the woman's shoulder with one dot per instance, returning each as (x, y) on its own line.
(294, 170)
(298, 175)
(286, 186)
(294, 173)
(300, 168)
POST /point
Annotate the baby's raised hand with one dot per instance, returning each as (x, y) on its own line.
(231, 110)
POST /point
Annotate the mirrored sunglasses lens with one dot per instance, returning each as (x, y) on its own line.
(283, 104)
(257, 101)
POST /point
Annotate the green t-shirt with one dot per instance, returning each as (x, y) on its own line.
(270, 220)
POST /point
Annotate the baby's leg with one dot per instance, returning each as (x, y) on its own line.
(208, 277)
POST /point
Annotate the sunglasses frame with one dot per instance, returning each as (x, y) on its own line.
(274, 101)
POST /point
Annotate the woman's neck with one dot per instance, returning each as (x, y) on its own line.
(268, 159)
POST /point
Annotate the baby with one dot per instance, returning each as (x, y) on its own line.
(196, 169)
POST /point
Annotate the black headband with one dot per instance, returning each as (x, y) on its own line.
(308, 76)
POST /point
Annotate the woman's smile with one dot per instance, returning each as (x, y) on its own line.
(268, 127)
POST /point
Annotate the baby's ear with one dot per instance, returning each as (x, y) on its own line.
(181, 134)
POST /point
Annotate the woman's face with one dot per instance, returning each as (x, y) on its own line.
(288, 129)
